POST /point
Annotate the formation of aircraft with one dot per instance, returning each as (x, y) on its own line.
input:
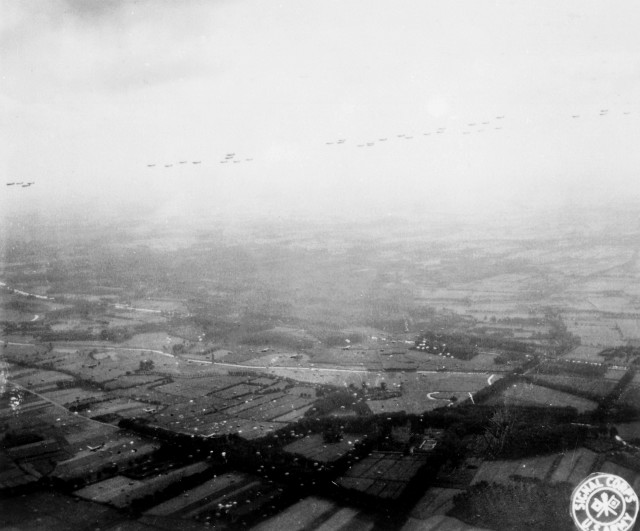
(22, 184)
(474, 127)
(409, 136)
(603, 112)
(229, 157)
(485, 126)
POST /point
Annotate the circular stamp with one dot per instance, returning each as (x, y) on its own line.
(604, 502)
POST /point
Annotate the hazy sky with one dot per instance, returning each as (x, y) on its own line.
(93, 91)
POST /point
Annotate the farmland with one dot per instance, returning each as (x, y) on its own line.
(383, 475)
(290, 358)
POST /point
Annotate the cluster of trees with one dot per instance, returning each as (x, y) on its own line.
(116, 334)
(564, 341)
(146, 365)
(178, 348)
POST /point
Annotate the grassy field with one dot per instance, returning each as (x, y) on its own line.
(50, 510)
(597, 334)
(630, 328)
(38, 378)
(435, 501)
(585, 353)
(597, 387)
(503, 472)
(153, 341)
(67, 397)
(526, 394)
(120, 491)
(629, 430)
(121, 406)
(272, 408)
(632, 476)
(301, 515)
(198, 387)
(614, 374)
(575, 466)
(237, 391)
(314, 447)
(631, 396)
(193, 496)
(132, 380)
(293, 416)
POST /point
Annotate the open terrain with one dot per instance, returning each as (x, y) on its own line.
(283, 378)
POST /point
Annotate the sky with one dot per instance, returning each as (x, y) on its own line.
(92, 92)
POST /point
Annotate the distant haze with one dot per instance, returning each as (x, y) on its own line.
(93, 92)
